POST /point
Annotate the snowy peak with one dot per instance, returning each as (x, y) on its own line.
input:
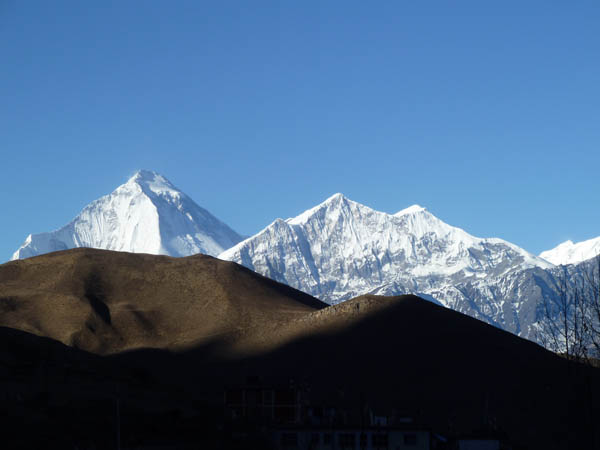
(149, 177)
(333, 205)
(147, 214)
(340, 249)
(571, 253)
(153, 183)
(410, 210)
(335, 198)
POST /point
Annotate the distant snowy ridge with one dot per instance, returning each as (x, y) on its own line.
(571, 253)
(336, 250)
(147, 214)
(340, 249)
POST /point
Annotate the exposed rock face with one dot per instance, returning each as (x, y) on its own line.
(341, 249)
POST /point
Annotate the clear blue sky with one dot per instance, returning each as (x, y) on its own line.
(487, 113)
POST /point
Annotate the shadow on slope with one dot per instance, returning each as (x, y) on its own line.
(177, 331)
(451, 372)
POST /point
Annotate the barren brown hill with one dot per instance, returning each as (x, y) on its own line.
(106, 302)
(450, 372)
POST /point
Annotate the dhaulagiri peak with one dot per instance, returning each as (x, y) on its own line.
(146, 214)
(148, 176)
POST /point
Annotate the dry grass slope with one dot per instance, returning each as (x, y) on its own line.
(226, 322)
(106, 302)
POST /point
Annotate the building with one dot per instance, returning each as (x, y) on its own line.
(288, 420)
(351, 438)
(268, 404)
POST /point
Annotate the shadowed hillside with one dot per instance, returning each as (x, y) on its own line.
(452, 371)
(447, 370)
(215, 324)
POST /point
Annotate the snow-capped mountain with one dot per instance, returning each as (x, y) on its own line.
(147, 214)
(341, 249)
(571, 253)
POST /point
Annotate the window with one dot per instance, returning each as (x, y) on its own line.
(252, 396)
(289, 439)
(327, 438)
(317, 411)
(363, 440)
(284, 414)
(285, 397)
(267, 397)
(237, 412)
(234, 396)
(347, 440)
(410, 439)
(314, 438)
(379, 440)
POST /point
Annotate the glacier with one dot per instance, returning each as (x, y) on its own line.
(147, 214)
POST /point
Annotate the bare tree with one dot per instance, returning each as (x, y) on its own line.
(571, 327)
(565, 325)
(591, 323)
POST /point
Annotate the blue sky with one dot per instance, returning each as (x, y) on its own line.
(487, 114)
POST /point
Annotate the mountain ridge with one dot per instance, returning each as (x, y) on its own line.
(569, 252)
(341, 249)
(334, 251)
(147, 214)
